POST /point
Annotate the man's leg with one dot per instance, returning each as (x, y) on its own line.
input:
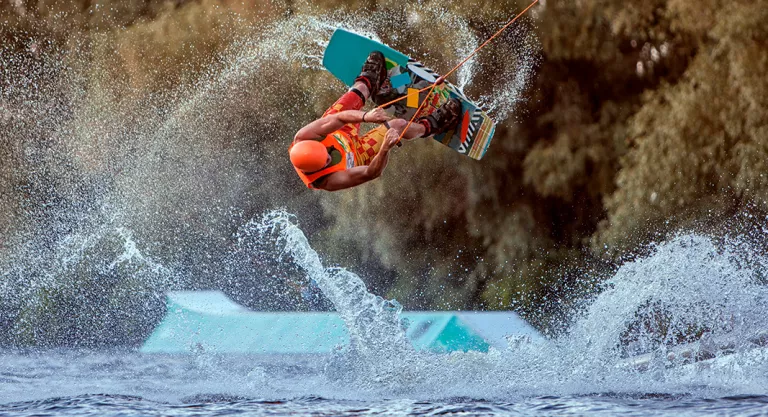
(373, 73)
(441, 120)
(362, 88)
(353, 99)
(417, 129)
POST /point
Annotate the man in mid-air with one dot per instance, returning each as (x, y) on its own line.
(328, 154)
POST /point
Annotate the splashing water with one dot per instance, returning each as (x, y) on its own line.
(688, 292)
(705, 298)
(377, 338)
(712, 292)
(84, 276)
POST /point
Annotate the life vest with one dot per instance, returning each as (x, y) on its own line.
(337, 144)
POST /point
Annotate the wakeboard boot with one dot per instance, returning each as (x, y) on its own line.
(374, 72)
(443, 119)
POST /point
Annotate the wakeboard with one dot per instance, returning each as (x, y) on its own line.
(344, 57)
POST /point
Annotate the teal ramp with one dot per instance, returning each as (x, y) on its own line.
(208, 321)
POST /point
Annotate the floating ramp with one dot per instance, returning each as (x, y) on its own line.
(208, 321)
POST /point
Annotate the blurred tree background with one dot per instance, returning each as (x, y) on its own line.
(639, 120)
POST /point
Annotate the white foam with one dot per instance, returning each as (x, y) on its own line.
(698, 284)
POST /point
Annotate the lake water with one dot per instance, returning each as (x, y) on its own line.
(133, 384)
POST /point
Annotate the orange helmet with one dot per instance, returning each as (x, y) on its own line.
(309, 155)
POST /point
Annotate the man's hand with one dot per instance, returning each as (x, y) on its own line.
(391, 139)
(377, 115)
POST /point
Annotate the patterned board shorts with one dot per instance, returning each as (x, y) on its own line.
(366, 146)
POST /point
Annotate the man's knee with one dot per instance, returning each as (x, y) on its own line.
(397, 124)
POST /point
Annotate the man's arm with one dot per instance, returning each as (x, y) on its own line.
(329, 124)
(359, 175)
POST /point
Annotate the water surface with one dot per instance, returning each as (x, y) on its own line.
(134, 384)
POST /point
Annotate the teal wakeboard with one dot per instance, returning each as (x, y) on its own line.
(344, 57)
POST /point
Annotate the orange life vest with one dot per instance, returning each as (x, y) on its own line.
(342, 144)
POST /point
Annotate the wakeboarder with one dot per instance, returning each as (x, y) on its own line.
(329, 154)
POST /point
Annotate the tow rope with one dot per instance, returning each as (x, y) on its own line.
(442, 78)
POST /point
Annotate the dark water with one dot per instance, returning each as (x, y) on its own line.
(133, 384)
(99, 405)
